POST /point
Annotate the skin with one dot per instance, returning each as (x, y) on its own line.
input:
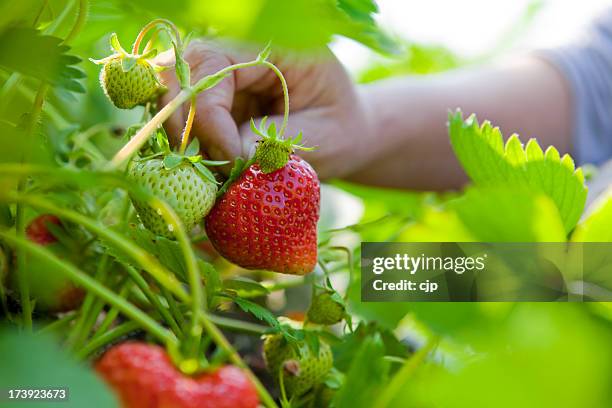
(391, 133)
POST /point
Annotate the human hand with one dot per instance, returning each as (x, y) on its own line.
(323, 100)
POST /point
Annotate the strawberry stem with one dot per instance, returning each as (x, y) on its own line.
(158, 21)
(283, 82)
(106, 338)
(188, 126)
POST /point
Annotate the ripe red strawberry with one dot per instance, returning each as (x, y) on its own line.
(50, 289)
(267, 218)
(143, 376)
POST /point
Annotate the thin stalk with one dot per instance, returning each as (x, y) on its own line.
(57, 324)
(188, 126)
(22, 271)
(280, 76)
(112, 314)
(238, 325)
(152, 24)
(90, 284)
(218, 337)
(106, 338)
(77, 333)
(403, 374)
(173, 306)
(145, 260)
(152, 298)
(79, 22)
(147, 130)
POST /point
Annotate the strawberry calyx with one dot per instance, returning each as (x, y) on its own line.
(273, 151)
(172, 159)
(128, 61)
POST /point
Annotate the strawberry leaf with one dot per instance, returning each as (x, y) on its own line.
(58, 68)
(256, 310)
(490, 162)
(128, 63)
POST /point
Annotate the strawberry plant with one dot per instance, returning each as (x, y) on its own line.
(135, 273)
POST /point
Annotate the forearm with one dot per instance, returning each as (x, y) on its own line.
(410, 146)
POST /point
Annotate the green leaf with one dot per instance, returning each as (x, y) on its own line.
(212, 281)
(46, 58)
(239, 166)
(207, 174)
(256, 310)
(597, 225)
(6, 217)
(194, 148)
(209, 82)
(366, 377)
(245, 287)
(498, 214)
(39, 362)
(489, 162)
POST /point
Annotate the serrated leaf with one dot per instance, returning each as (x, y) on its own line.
(489, 162)
(256, 310)
(597, 224)
(57, 68)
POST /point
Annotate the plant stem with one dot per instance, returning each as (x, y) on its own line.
(147, 130)
(22, 271)
(149, 26)
(188, 126)
(238, 325)
(105, 338)
(79, 23)
(173, 306)
(145, 260)
(218, 337)
(280, 76)
(152, 298)
(90, 284)
(385, 398)
(57, 324)
(112, 314)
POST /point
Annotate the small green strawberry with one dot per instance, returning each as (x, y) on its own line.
(182, 181)
(326, 308)
(301, 368)
(128, 80)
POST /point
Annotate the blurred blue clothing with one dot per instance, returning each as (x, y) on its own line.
(587, 64)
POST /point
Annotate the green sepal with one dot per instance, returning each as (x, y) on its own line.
(193, 148)
(116, 45)
(127, 63)
(203, 170)
(172, 161)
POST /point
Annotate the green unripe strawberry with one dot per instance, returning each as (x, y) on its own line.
(301, 368)
(129, 88)
(183, 187)
(128, 80)
(326, 308)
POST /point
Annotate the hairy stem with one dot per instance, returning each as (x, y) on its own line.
(152, 24)
(188, 126)
(283, 82)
